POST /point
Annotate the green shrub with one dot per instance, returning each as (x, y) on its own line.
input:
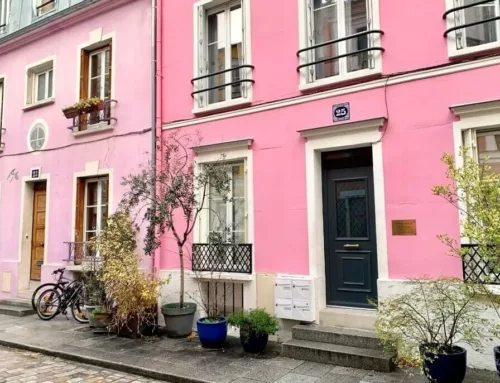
(256, 321)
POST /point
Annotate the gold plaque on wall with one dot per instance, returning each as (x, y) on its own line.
(404, 227)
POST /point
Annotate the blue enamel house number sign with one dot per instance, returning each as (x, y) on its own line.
(341, 112)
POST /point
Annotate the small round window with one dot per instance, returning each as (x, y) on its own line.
(37, 137)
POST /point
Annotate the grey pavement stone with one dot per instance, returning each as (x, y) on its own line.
(296, 378)
(284, 362)
(380, 377)
(313, 369)
(249, 363)
(267, 374)
(336, 378)
(339, 370)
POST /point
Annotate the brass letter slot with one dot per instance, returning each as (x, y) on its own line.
(356, 245)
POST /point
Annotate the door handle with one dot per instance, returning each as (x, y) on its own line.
(42, 244)
(351, 245)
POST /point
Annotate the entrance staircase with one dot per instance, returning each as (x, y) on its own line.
(16, 307)
(338, 346)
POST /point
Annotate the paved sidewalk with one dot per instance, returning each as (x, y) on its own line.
(182, 360)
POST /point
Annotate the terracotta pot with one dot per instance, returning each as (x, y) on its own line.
(71, 112)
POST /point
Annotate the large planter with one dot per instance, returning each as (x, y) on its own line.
(178, 321)
(254, 343)
(445, 368)
(133, 328)
(212, 334)
(496, 352)
(88, 313)
(102, 321)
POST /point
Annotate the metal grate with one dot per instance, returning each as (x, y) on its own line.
(477, 270)
(224, 297)
(222, 258)
(77, 252)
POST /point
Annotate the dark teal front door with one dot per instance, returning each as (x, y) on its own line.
(349, 222)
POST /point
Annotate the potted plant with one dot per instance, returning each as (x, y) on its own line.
(88, 105)
(255, 327)
(101, 318)
(94, 293)
(426, 323)
(180, 196)
(474, 189)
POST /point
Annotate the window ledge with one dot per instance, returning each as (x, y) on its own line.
(94, 129)
(39, 104)
(74, 268)
(220, 106)
(339, 80)
(471, 51)
(205, 275)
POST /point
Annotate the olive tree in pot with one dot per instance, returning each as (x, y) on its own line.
(181, 195)
(474, 190)
(426, 323)
(255, 327)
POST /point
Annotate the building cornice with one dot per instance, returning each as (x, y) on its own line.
(483, 107)
(244, 143)
(331, 130)
(59, 20)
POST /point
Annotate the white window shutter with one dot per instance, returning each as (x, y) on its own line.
(201, 40)
(243, 32)
(470, 140)
(35, 4)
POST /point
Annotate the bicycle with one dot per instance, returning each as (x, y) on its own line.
(59, 297)
(60, 284)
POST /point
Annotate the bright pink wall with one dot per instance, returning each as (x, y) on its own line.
(413, 39)
(131, 25)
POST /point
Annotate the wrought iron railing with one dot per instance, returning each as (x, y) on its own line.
(238, 70)
(467, 25)
(336, 41)
(478, 270)
(77, 252)
(222, 258)
(104, 115)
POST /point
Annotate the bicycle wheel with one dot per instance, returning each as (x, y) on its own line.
(48, 304)
(78, 310)
(45, 286)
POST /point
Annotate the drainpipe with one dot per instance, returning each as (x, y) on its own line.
(154, 16)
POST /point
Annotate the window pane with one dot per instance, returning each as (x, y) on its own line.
(107, 59)
(40, 95)
(95, 87)
(326, 29)
(216, 55)
(236, 20)
(91, 219)
(91, 193)
(104, 216)
(95, 65)
(104, 191)
(488, 147)
(351, 209)
(238, 180)
(107, 87)
(482, 33)
(217, 215)
(49, 93)
(356, 22)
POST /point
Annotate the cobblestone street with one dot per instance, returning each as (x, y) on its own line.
(22, 366)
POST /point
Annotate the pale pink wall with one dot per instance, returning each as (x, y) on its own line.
(131, 25)
(419, 131)
(413, 39)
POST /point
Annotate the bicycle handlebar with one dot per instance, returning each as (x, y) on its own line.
(61, 270)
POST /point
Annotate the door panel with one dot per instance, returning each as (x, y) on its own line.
(350, 242)
(38, 236)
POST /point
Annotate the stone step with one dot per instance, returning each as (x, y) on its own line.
(355, 357)
(25, 294)
(19, 302)
(337, 335)
(363, 319)
(15, 310)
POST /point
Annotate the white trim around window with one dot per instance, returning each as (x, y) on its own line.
(309, 76)
(42, 7)
(458, 40)
(4, 15)
(40, 83)
(240, 39)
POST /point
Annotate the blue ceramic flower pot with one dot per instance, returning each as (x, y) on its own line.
(212, 334)
(446, 368)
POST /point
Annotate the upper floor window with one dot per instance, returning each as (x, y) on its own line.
(339, 40)
(44, 6)
(4, 14)
(473, 25)
(1, 114)
(224, 75)
(40, 83)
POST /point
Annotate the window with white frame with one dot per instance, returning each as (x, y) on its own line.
(1, 114)
(40, 83)
(340, 40)
(223, 40)
(41, 7)
(473, 25)
(95, 207)
(484, 147)
(4, 14)
(227, 214)
(99, 73)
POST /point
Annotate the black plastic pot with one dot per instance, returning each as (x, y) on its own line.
(178, 321)
(496, 352)
(445, 368)
(254, 343)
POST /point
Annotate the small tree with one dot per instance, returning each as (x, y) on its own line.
(475, 191)
(181, 194)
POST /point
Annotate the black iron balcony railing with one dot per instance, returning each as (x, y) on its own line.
(98, 116)
(467, 25)
(477, 270)
(336, 41)
(77, 252)
(236, 73)
(222, 258)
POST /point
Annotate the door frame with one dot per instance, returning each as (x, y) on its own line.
(26, 228)
(327, 139)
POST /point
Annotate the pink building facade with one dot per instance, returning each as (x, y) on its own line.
(330, 154)
(60, 177)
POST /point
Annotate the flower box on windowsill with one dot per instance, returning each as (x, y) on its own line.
(90, 105)
(71, 112)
